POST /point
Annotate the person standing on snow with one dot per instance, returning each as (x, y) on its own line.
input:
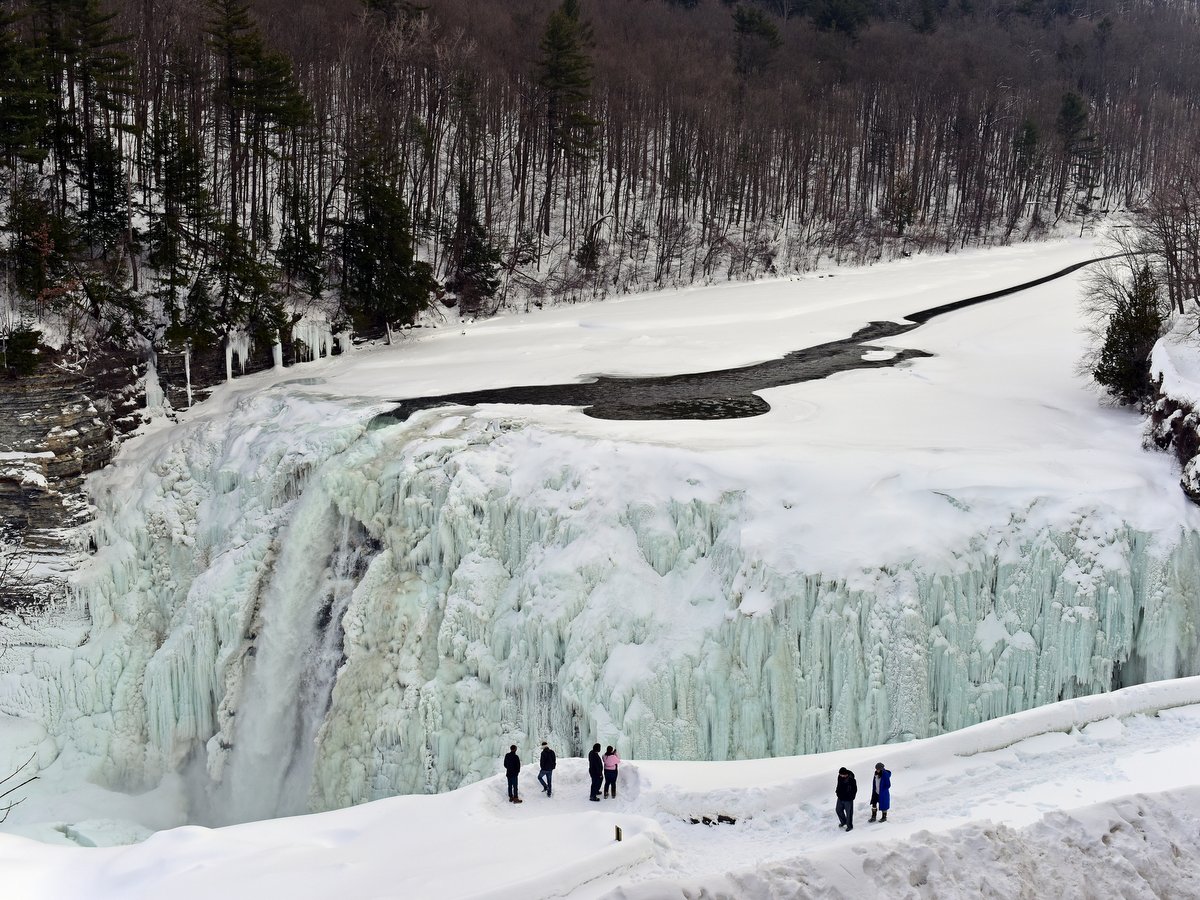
(612, 759)
(596, 770)
(546, 765)
(847, 789)
(881, 792)
(512, 768)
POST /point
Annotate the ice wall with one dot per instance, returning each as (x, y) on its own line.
(300, 610)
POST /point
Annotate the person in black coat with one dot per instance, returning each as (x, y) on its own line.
(546, 766)
(596, 770)
(847, 788)
(512, 768)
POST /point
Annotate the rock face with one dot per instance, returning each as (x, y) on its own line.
(57, 426)
(1175, 426)
(52, 434)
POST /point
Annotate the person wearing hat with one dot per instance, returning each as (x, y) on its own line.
(546, 769)
(847, 789)
(881, 792)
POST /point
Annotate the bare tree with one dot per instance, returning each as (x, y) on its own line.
(6, 805)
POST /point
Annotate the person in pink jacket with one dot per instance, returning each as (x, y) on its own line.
(612, 759)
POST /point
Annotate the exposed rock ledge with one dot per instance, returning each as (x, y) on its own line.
(1175, 415)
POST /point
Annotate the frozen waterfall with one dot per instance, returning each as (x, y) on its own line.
(305, 612)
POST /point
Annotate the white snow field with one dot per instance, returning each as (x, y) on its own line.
(295, 606)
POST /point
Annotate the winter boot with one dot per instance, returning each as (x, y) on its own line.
(883, 817)
(874, 812)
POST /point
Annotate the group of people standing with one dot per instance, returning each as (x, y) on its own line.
(602, 769)
(847, 790)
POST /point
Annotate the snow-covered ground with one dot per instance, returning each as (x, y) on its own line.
(886, 554)
(1096, 797)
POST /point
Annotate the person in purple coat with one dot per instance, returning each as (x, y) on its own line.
(881, 792)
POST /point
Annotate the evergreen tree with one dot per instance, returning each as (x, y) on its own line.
(757, 40)
(565, 77)
(844, 16)
(40, 242)
(299, 254)
(243, 296)
(383, 284)
(99, 72)
(19, 350)
(178, 215)
(475, 263)
(104, 218)
(1135, 323)
(24, 100)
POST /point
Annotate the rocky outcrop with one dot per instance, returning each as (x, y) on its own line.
(52, 434)
(1175, 427)
(59, 425)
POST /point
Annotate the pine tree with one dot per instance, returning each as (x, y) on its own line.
(234, 41)
(475, 262)
(243, 296)
(24, 100)
(565, 77)
(383, 284)
(1135, 323)
(178, 215)
(299, 254)
(757, 40)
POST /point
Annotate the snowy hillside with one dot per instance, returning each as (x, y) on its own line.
(299, 603)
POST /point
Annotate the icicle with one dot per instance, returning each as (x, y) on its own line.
(187, 371)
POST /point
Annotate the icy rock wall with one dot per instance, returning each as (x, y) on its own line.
(497, 585)
(519, 598)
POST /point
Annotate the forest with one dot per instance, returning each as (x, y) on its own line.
(175, 173)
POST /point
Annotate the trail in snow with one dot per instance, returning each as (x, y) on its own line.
(1017, 785)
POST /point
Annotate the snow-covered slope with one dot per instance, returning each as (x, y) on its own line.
(1096, 797)
(296, 605)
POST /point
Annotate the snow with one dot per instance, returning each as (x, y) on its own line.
(887, 554)
(1093, 795)
(1176, 362)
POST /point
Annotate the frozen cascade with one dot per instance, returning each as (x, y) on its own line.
(321, 662)
(263, 764)
(503, 584)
